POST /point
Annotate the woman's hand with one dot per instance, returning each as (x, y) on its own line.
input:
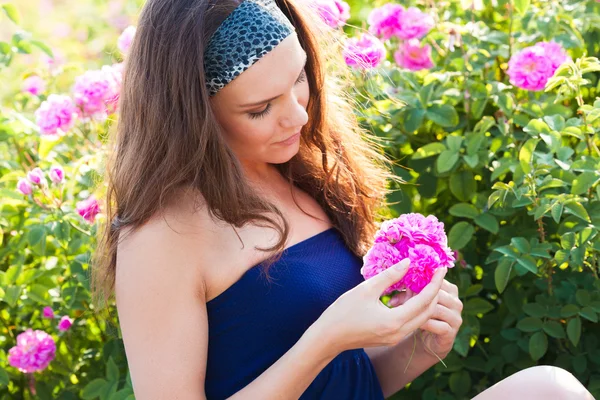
(358, 319)
(445, 322)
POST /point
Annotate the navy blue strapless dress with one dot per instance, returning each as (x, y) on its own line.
(255, 322)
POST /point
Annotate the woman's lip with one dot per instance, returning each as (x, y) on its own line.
(291, 139)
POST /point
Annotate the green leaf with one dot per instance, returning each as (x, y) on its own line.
(446, 161)
(122, 394)
(530, 324)
(464, 210)
(528, 262)
(574, 330)
(521, 244)
(583, 297)
(526, 153)
(584, 182)
(3, 377)
(471, 160)
(462, 185)
(413, 118)
(569, 310)
(554, 329)
(429, 150)
(488, 222)
(502, 273)
(94, 389)
(454, 142)
(474, 143)
(577, 209)
(443, 114)
(556, 211)
(12, 294)
(538, 345)
(36, 235)
(589, 314)
(460, 235)
(460, 382)
(42, 46)
(567, 241)
(534, 310)
(477, 305)
(112, 371)
(12, 13)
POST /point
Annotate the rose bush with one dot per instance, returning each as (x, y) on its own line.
(490, 111)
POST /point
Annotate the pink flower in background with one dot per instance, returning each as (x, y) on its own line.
(125, 39)
(48, 313)
(555, 53)
(36, 176)
(420, 239)
(95, 92)
(411, 55)
(365, 51)
(65, 323)
(414, 24)
(56, 174)
(34, 85)
(33, 352)
(56, 115)
(385, 20)
(531, 67)
(88, 208)
(334, 12)
(24, 186)
(115, 72)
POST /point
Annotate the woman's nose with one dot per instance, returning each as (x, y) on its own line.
(295, 116)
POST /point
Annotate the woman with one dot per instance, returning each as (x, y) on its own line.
(243, 197)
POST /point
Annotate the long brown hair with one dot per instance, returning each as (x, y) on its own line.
(167, 137)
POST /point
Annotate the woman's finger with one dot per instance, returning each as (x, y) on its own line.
(450, 288)
(444, 314)
(400, 298)
(419, 308)
(437, 327)
(450, 301)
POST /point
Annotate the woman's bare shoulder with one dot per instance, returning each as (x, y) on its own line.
(182, 234)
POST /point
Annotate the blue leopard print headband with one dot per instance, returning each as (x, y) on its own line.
(252, 30)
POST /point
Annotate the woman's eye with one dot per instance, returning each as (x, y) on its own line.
(302, 77)
(262, 113)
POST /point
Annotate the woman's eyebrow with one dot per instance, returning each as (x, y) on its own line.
(258, 103)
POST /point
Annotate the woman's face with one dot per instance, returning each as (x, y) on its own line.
(265, 105)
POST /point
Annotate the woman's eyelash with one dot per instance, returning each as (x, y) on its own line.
(264, 112)
(261, 113)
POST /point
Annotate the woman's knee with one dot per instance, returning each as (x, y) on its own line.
(556, 382)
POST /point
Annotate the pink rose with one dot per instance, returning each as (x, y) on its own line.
(33, 352)
(533, 66)
(88, 208)
(57, 174)
(385, 20)
(56, 115)
(24, 186)
(65, 323)
(48, 313)
(36, 176)
(365, 51)
(34, 85)
(125, 39)
(411, 55)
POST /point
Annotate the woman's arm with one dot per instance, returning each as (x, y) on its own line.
(390, 363)
(163, 318)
